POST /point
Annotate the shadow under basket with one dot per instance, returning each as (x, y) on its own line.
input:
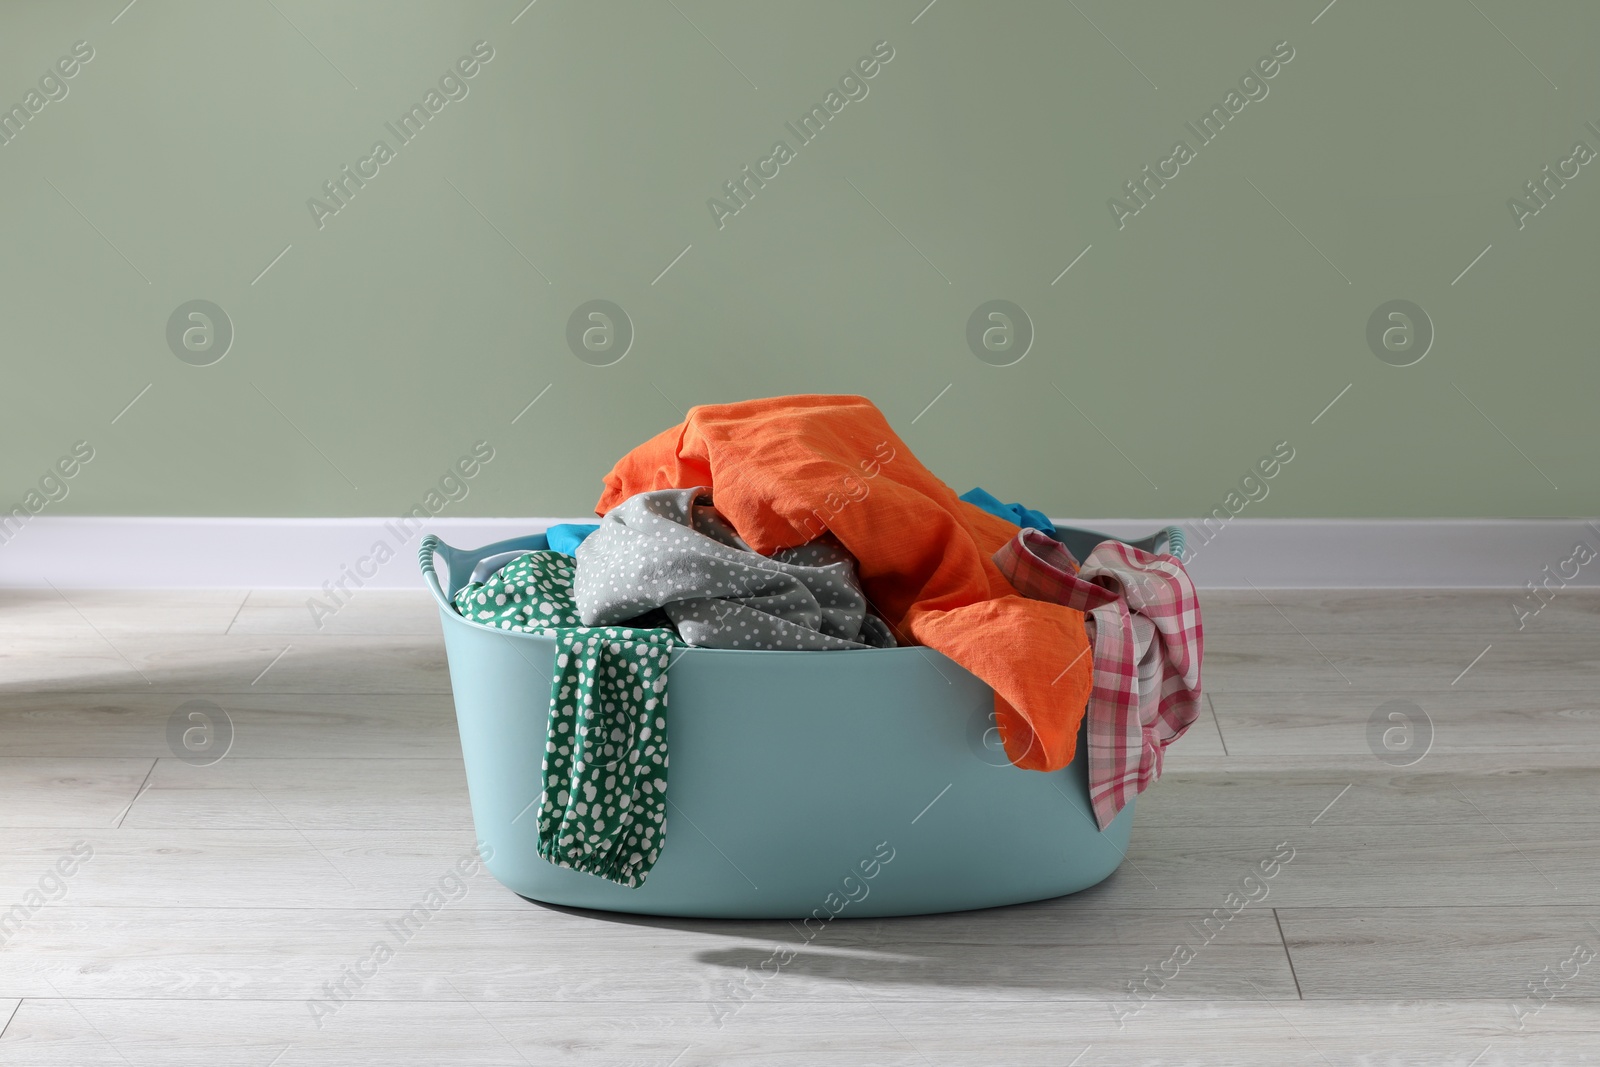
(862, 783)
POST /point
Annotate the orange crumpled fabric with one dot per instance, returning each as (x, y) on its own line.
(784, 469)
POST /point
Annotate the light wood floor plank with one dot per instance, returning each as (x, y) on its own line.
(1361, 863)
(192, 868)
(1533, 722)
(81, 612)
(326, 725)
(1440, 663)
(68, 791)
(1420, 951)
(1060, 951)
(1462, 791)
(323, 793)
(220, 663)
(854, 1032)
(369, 611)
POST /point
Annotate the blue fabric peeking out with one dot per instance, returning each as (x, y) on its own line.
(1027, 518)
(567, 536)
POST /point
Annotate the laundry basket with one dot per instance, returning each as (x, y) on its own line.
(802, 784)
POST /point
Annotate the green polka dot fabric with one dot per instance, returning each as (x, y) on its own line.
(530, 594)
(603, 806)
(605, 766)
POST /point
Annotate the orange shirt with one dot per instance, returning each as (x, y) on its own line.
(784, 469)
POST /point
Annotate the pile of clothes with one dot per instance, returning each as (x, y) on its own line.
(804, 523)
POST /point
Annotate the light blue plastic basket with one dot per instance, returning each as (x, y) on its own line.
(793, 774)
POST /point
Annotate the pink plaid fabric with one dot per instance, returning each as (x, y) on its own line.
(1144, 622)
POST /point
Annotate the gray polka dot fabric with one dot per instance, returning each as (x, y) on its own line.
(671, 550)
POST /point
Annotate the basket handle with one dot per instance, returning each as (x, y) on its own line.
(425, 553)
(1173, 535)
(458, 561)
(1169, 540)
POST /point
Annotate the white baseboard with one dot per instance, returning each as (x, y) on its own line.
(176, 553)
(118, 552)
(1379, 553)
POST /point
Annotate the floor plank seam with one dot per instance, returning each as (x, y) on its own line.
(137, 793)
(1217, 722)
(1287, 955)
(835, 1001)
(524, 907)
(228, 630)
(1240, 999)
(456, 760)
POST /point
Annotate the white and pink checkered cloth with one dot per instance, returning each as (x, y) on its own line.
(1144, 625)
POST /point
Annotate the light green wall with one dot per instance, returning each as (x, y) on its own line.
(1209, 328)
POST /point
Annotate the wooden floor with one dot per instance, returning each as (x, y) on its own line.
(1442, 913)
